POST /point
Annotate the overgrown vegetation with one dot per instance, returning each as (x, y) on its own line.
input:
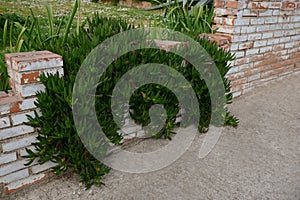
(58, 140)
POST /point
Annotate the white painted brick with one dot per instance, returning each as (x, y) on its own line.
(297, 25)
(243, 22)
(4, 109)
(265, 12)
(17, 144)
(292, 50)
(239, 38)
(6, 158)
(295, 37)
(260, 43)
(273, 41)
(236, 94)
(23, 152)
(239, 54)
(257, 21)
(253, 77)
(275, 13)
(4, 122)
(37, 65)
(271, 20)
(251, 51)
(20, 118)
(295, 19)
(18, 184)
(267, 35)
(14, 176)
(275, 27)
(278, 33)
(233, 70)
(288, 26)
(245, 66)
(289, 45)
(289, 32)
(28, 104)
(265, 49)
(255, 36)
(284, 39)
(262, 28)
(234, 47)
(248, 29)
(15, 131)
(29, 90)
(12, 167)
(39, 168)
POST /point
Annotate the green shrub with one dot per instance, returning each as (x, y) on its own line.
(58, 140)
(191, 20)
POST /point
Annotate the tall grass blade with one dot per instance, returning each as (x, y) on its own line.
(70, 22)
(5, 33)
(50, 19)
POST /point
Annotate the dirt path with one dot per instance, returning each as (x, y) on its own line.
(258, 160)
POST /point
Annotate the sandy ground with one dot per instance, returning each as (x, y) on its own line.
(258, 160)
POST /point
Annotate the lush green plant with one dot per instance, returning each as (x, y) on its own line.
(58, 140)
(191, 20)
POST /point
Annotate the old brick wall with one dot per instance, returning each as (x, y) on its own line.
(24, 70)
(265, 37)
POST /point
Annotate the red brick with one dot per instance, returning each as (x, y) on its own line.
(232, 4)
(219, 4)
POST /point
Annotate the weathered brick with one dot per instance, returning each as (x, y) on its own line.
(23, 151)
(278, 33)
(263, 28)
(6, 158)
(18, 144)
(28, 104)
(239, 54)
(15, 131)
(239, 38)
(260, 43)
(245, 45)
(12, 167)
(248, 29)
(233, 70)
(289, 45)
(23, 182)
(4, 122)
(251, 51)
(39, 168)
(14, 176)
(271, 20)
(29, 90)
(32, 61)
(255, 36)
(284, 39)
(21, 118)
(265, 49)
(253, 77)
(267, 35)
(265, 12)
(257, 21)
(273, 41)
(242, 22)
(231, 4)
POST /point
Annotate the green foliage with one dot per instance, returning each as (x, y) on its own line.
(57, 139)
(191, 20)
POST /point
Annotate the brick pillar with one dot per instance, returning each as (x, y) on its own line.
(24, 70)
